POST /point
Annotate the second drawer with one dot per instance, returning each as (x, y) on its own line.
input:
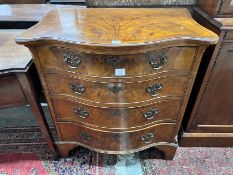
(116, 92)
(115, 118)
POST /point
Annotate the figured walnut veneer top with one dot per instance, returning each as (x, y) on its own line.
(118, 27)
(13, 57)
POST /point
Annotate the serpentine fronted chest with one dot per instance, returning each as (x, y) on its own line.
(117, 80)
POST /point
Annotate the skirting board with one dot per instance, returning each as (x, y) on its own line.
(206, 140)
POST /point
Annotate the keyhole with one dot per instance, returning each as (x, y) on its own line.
(116, 112)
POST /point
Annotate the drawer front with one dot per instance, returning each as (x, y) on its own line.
(115, 118)
(116, 141)
(113, 66)
(116, 92)
(11, 93)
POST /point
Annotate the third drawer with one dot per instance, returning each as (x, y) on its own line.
(115, 118)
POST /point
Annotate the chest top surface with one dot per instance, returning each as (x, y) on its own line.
(118, 27)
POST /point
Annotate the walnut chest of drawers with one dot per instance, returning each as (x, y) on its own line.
(117, 80)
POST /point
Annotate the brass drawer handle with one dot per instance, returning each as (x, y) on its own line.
(151, 114)
(115, 88)
(72, 60)
(77, 88)
(86, 137)
(158, 61)
(147, 138)
(154, 89)
(81, 112)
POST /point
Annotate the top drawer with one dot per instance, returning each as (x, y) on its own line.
(173, 58)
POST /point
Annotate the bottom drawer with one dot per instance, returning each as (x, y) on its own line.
(116, 141)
